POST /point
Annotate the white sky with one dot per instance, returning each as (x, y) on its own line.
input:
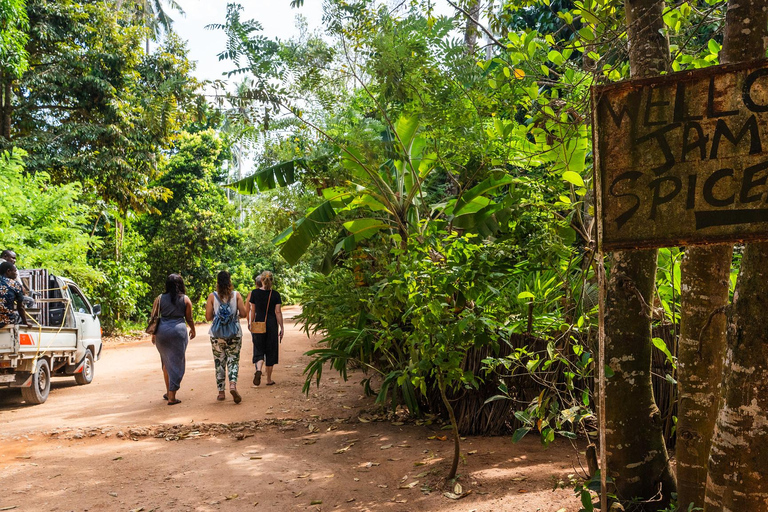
(276, 17)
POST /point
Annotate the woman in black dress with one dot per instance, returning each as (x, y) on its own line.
(171, 336)
(266, 303)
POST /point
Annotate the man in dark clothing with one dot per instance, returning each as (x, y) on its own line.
(11, 296)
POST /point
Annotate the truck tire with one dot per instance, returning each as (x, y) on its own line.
(37, 393)
(86, 375)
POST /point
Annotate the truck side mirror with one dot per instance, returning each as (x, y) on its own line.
(97, 310)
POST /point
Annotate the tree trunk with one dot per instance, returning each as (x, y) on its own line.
(637, 456)
(471, 31)
(705, 281)
(706, 277)
(454, 427)
(738, 459)
(636, 453)
(5, 130)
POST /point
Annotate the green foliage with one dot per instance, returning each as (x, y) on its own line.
(43, 222)
(151, 14)
(193, 233)
(427, 307)
(92, 107)
(13, 36)
(122, 260)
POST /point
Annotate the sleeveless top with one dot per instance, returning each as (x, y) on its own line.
(172, 311)
(232, 306)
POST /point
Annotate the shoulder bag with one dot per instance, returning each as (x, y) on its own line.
(154, 318)
(261, 327)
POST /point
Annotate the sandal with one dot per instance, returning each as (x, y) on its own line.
(221, 396)
(174, 401)
(257, 378)
(236, 396)
(271, 383)
(165, 396)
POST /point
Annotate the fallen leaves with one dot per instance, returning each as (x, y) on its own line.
(344, 450)
(458, 492)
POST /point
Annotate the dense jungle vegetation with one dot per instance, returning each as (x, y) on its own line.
(421, 184)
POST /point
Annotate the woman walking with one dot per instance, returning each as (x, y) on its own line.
(225, 307)
(171, 336)
(265, 306)
(257, 283)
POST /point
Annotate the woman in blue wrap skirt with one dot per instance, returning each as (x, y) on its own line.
(171, 336)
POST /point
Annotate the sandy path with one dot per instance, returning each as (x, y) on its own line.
(128, 389)
(94, 447)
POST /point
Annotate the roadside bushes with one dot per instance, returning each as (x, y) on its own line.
(45, 223)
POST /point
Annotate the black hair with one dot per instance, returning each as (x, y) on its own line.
(7, 253)
(224, 285)
(174, 286)
(5, 267)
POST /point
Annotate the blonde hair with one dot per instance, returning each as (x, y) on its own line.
(266, 279)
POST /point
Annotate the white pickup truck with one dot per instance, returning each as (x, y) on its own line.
(63, 337)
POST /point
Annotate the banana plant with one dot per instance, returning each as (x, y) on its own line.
(386, 198)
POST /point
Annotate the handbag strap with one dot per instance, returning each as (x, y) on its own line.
(156, 307)
(266, 315)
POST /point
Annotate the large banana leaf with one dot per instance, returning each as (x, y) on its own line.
(406, 127)
(489, 184)
(487, 221)
(297, 239)
(282, 174)
(359, 229)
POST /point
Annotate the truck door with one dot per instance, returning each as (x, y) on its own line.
(86, 322)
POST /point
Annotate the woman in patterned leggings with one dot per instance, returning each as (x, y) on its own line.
(226, 352)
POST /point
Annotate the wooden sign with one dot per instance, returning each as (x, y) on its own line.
(682, 159)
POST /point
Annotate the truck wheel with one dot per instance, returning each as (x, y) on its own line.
(37, 393)
(86, 376)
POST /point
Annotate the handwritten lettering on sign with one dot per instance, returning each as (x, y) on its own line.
(682, 159)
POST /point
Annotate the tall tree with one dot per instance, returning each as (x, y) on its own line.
(153, 15)
(637, 455)
(701, 348)
(13, 56)
(472, 31)
(91, 107)
(705, 280)
(193, 233)
(738, 459)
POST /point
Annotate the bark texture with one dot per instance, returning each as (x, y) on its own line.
(701, 348)
(738, 460)
(637, 456)
(5, 103)
(737, 476)
(706, 273)
(471, 31)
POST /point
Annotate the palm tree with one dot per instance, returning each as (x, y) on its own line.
(153, 15)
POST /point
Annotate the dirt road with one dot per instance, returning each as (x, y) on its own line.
(116, 445)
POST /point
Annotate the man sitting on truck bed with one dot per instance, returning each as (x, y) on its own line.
(10, 256)
(11, 296)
